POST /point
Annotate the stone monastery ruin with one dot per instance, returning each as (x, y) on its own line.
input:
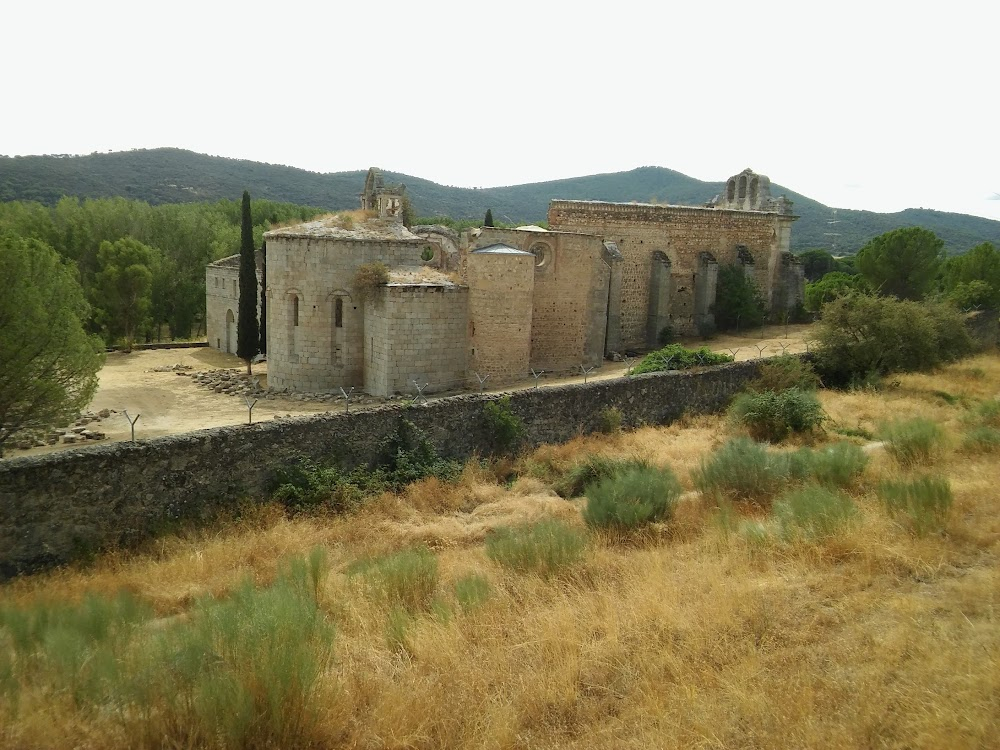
(604, 278)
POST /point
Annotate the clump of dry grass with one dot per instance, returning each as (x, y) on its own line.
(714, 634)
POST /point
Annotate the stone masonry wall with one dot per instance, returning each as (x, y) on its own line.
(500, 293)
(221, 298)
(314, 353)
(61, 506)
(570, 297)
(416, 332)
(682, 233)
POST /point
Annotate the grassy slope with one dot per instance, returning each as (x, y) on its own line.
(173, 175)
(695, 638)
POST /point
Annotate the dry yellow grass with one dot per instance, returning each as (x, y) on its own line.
(696, 637)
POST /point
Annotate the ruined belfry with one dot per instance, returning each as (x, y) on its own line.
(494, 303)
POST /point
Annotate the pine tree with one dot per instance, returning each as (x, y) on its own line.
(488, 221)
(263, 298)
(247, 333)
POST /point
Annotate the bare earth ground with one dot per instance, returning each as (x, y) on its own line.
(168, 403)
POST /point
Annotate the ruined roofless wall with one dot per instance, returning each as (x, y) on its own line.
(682, 233)
(61, 506)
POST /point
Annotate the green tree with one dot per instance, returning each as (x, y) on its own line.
(832, 285)
(903, 263)
(488, 221)
(123, 288)
(817, 263)
(973, 278)
(738, 302)
(247, 330)
(50, 364)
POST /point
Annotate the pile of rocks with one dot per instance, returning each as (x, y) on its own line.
(232, 382)
(81, 431)
(178, 368)
(235, 382)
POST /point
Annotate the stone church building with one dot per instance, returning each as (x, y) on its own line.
(604, 278)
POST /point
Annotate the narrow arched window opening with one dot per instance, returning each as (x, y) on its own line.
(295, 311)
(338, 313)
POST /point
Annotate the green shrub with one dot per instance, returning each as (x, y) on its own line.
(925, 501)
(837, 465)
(987, 413)
(404, 457)
(505, 428)
(406, 579)
(912, 441)
(242, 671)
(545, 547)
(812, 512)
(592, 469)
(783, 372)
(677, 357)
(631, 498)
(471, 591)
(861, 334)
(773, 416)
(742, 469)
(981, 440)
(665, 335)
(611, 420)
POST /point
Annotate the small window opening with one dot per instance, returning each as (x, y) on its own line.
(295, 311)
(338, 313)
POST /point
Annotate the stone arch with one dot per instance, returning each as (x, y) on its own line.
(741, 193)
(754, 191)
(731, 189)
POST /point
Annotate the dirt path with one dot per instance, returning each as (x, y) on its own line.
(170, 403)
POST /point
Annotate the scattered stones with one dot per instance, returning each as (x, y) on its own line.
(172, 368)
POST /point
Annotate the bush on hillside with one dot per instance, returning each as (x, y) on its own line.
(773, 416)
(677, 357)
(783, 372)
(545, 547)
(813, 512)
(634, 497)
(860, 335)
(912, 441)
(925, 502)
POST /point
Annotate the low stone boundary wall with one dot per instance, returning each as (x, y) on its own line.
(62, 506)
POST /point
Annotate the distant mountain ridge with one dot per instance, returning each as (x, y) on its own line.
(171, 175)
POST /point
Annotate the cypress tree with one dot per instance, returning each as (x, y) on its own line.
(247, 333)
(263, 298)
(488, 221)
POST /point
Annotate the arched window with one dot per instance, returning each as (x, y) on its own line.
(338, 312)
(295, 310)
(754, 190)
(742, 194)
(731, 190)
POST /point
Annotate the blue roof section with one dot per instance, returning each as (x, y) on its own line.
(499, 249)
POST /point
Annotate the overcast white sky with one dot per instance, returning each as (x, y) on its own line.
(872, 105)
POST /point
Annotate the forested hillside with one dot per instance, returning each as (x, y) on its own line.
(171, 175)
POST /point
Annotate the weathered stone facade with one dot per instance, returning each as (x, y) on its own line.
(671, 256)
(497, 303)
(222, 301)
